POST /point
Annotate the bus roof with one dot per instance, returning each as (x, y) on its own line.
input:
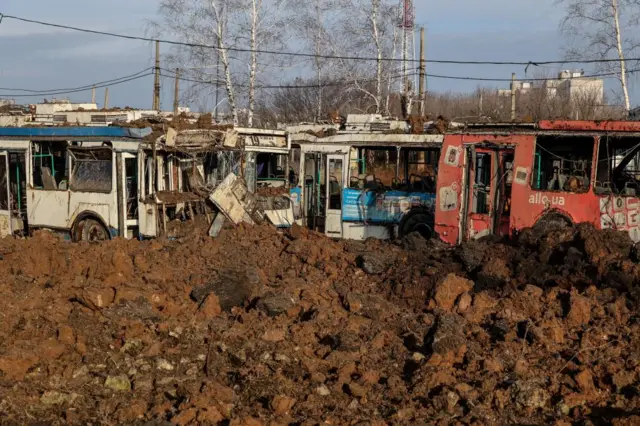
(372, 139)
(598, 126)
(65, 133)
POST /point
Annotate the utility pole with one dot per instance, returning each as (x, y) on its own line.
(513, 96)
(156, 83)
(423, 73)
(93, 95)
(176, 95)
(106, 98)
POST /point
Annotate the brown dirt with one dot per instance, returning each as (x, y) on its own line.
(261, 328)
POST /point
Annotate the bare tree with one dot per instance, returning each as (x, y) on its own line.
(369, 30)
(231, 32)
(316, 25)
(601, 29)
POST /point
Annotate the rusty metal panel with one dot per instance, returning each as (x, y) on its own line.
(233, 199)
(587, 126)
(449, 189)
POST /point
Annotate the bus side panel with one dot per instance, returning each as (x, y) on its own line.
(449, 189)
(102, 206)
(529, 205)
(48, 208)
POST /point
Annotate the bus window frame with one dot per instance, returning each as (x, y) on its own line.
(591, 162)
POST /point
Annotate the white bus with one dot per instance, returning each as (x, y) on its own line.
(363, 185)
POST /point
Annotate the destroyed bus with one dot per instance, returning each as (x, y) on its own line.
(96, 183)
(499, 179)
(363, 185)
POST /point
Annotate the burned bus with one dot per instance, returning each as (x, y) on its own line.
(363, 185)
(499, 179)
(96, 183)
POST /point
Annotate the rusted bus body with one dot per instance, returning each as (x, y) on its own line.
(192, 163)
(499, 180)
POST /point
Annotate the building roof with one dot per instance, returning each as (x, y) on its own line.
(73, 132)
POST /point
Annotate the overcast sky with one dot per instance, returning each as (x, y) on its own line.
(37, 57)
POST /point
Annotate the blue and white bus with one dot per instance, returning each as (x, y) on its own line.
(365, 185)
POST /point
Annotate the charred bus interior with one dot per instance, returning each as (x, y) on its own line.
(618, 166)
(563, 163)
(400, 169)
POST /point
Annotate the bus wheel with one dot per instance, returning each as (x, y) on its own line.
(91, 230)
(419, 222)
(551, 222)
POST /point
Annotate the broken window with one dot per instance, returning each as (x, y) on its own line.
(563, 163)
(482, 183)
(270, 167)
(92, 170)
(335, 184)
(618, 167)
(412, 170)
(420, 169)
(380, 171)
(131, 181)
(294, 166)
(49, 165)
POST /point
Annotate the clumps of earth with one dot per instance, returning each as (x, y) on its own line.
(257, 327)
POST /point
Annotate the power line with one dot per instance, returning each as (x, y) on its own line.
(171, 74)
(309, 55)
(448, 77)
(86, 87)
(285, 86)
(97, 86)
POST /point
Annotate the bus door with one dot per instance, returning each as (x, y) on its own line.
(5, 197)
(488, 199)
(334, 184)
(129, 196)
(147, 208)
(314, 191)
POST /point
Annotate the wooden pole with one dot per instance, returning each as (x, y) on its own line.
(513, 96)
(176, 95)
(156, 82)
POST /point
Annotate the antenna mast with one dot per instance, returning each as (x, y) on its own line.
(406, 22)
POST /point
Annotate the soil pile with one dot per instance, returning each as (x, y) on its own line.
(261, 328)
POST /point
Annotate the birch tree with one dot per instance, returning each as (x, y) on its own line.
(602, 29)
(316, 25)
(370, 31)
(230, 33)
(268, 30)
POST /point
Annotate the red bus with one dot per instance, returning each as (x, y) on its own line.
(498, 179)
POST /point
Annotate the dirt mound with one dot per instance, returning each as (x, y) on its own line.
(258, 327)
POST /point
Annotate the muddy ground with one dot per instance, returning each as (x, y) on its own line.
(261, 328)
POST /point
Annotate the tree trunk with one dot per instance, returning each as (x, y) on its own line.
(255, 4)
(390, 80)
(224, 57)
(318, 62)
(623, 70)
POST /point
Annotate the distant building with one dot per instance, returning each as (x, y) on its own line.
(574, 85)
(521, 87)
(59, 112)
